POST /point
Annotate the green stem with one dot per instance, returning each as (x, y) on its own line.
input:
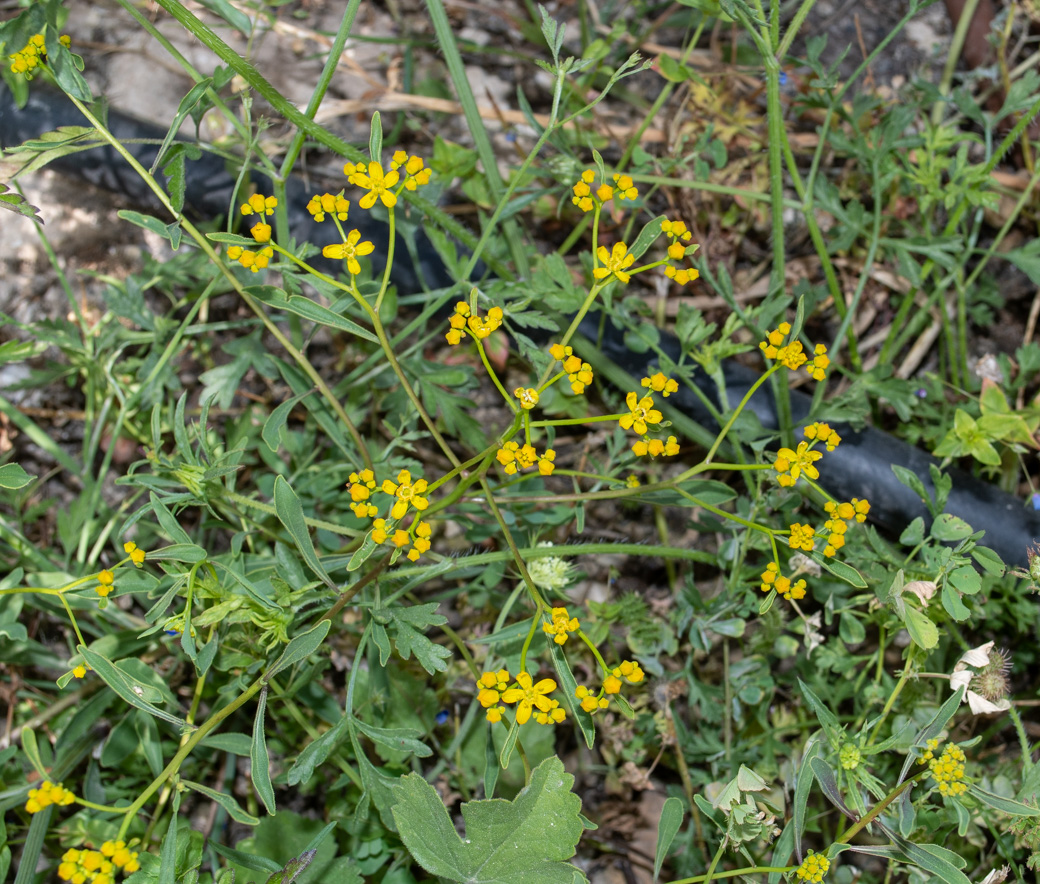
(175, 763)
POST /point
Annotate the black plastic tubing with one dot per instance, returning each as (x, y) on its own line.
(860, 467)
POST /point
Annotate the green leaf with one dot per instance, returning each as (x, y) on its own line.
(13, 476)
(921, 629)
(293, 869)
(952, 604)
(824, 715)
(667, 827)
(13, 201)
(260, 758)
(226, 801)
(300, 647)
(290, 514)
(1004, 805)
(989, 561)
(170, 232)
(841, 570)
(308, 309)
(927, 856)
(966, 579)
(569, 685)
(949, 527)
(400, 739)
(126, 687)
(525, 841)
(407, 623)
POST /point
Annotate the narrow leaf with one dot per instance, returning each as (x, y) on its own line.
(290, 514)
(226, 801)
(300, 647)
(260, 759)
(128, 689)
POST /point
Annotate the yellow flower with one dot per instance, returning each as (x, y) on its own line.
(415, 172)
(616, 262)
(553, 715)
(260, 205)
(813, 868)
(656, 447)
(591, 702)
(948, 770)
(46, 794)
(135, 552)
(642, 412)
(378, 185)
(327, 204)
(105, 583)
(822, 433)
(789, 465)
(817, 366)
(658, 383)
(583, 191)
(625, 186)
(79, 671)
(261, 232)
(546, 463)
(529, 695)
(684, 276)
(562, 624)
(528, 397)
(361, 487)
(255, 261)
(423, 531)
(379, 534)
(773, 579)
(630, 671)
(349, 251)
(407, 494)
(482, 328)
(801, 537)
(612, 684)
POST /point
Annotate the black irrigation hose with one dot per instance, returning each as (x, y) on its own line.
(861, 466)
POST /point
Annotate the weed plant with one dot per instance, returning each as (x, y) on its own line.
(328, 603)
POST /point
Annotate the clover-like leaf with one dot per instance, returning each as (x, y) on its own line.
(524, 841)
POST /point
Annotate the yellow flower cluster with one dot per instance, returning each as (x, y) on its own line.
(801, 537)
(263, 206)
(592, 702)
(562, 624)
(381, 185)
(948, 769)
(838, 523)
(465, 321)
(406, 494)
(678, 234)
(324, 204)
(33, 54)
(820, 432)
(81, 670)
(773, 579)
(813, 868)
(135, 552)
(587, 199)
(494, 689)
(105, 583)
(255, 261)
(792, 355)
(349, 250)
(97, 866)
(515, 457)
(579, 374)
(643, 414)
(46, 794)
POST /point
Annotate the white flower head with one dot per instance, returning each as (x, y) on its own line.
(983, 674)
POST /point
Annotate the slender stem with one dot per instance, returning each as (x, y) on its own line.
(171, 769)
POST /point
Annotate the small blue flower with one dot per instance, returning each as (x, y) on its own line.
(442, 716)
(1036, 500)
